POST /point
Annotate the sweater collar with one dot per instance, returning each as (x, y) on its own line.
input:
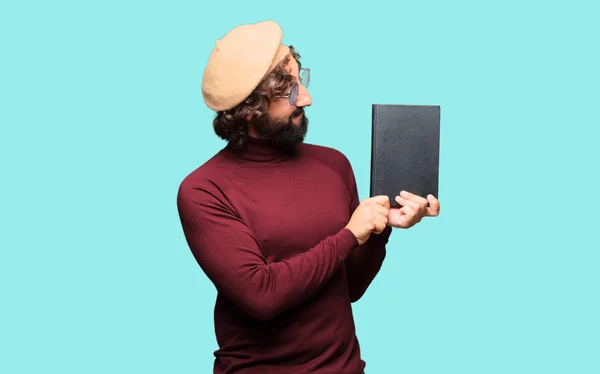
(261, 150)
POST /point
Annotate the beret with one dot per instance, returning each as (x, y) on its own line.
(239, 61)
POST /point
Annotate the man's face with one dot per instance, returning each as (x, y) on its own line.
(285, 124)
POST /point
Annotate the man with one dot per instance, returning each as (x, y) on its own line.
(275, 223)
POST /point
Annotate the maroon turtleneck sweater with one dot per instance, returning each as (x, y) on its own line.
(268, 229)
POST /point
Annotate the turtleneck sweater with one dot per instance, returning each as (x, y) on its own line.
(267, 227)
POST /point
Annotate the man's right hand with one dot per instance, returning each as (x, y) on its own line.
(371, 216)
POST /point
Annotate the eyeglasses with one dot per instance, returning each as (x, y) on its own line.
(305, 80)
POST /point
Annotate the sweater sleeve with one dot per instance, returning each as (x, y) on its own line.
(229, 254)
(363, 264)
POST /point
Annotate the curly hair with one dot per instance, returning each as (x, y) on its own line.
(232, 125)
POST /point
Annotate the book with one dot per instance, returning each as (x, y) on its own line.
(405, 149)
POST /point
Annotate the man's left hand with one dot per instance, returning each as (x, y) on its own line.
(414, 208)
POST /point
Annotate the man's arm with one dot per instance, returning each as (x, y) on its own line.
(229, 254)
(363, 264)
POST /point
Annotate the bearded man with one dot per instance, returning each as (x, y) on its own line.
(276, 223)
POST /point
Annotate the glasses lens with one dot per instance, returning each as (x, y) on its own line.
(294, 94)
(305, 77)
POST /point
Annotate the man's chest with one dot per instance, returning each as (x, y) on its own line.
(289, 213)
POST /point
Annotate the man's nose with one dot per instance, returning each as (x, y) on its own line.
(304, 98)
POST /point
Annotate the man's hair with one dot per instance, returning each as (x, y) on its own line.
(232, 124)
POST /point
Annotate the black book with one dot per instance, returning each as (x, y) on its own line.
(405, 150)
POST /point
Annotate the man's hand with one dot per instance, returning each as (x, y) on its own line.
(371, 216)
(414, 208)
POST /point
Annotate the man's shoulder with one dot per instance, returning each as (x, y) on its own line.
(332, 157)
(213, 173)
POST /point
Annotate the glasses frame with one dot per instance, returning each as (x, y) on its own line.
(304, 78)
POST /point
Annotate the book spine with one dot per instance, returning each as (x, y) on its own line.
(373, 150)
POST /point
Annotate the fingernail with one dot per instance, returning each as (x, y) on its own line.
(404, 193)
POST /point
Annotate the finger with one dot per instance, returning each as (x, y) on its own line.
(407, 215)
(380, 225)
(413, 197)
(434, 206)
(384, 219)
(422, 201)
(404, 202)
(407, 209)
(380, 216)
(382, 210)
(382, 200)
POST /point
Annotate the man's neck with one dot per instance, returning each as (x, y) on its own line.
(252, 133)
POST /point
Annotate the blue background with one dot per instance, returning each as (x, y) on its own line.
(102, 116)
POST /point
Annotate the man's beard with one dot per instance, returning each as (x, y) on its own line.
(282, 133)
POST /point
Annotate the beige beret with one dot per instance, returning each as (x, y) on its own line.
(239, 61)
